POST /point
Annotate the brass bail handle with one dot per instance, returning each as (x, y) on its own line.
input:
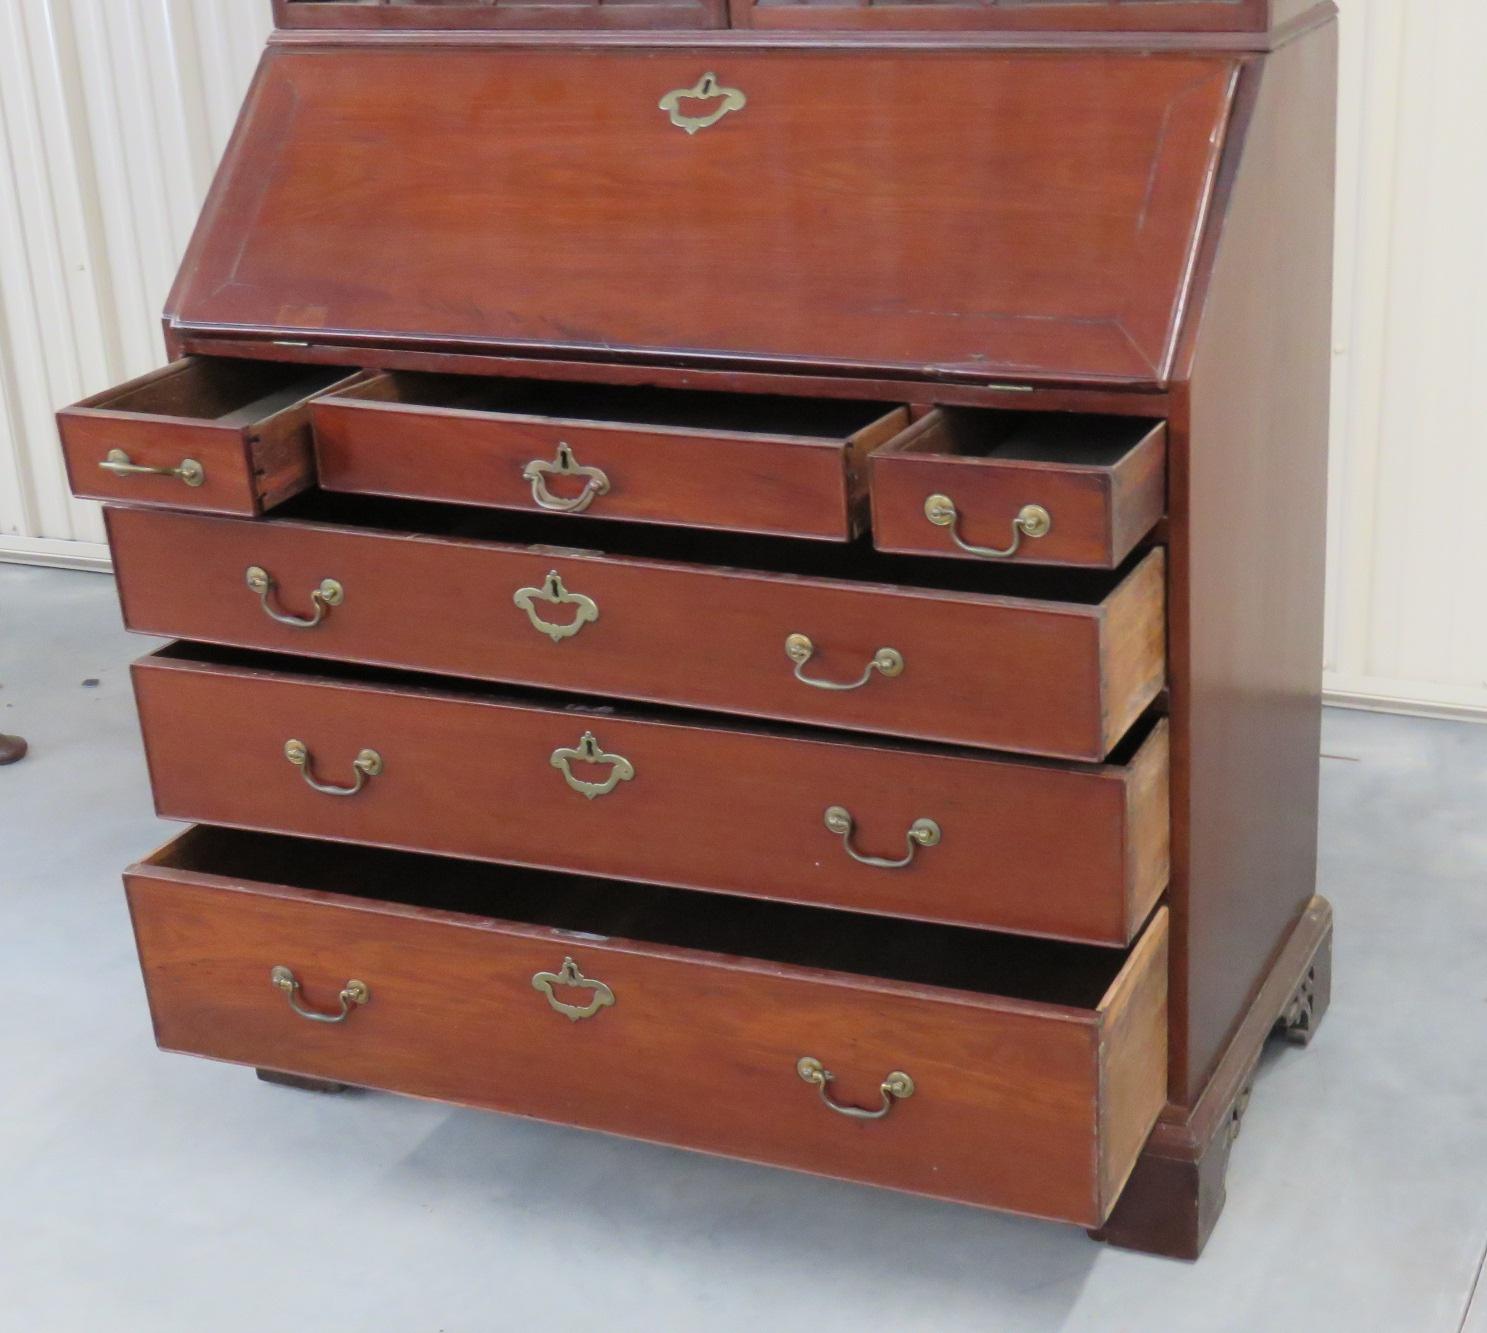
(564, 464)
(367, 764)
(922, 833)
(799, 649)
(120, 464)
(328, 594)
(353, 993)
(1031, 521)
(897, 1087)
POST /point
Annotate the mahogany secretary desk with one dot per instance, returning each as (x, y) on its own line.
(750, 576)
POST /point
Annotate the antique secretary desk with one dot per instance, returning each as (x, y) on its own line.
(749, 575)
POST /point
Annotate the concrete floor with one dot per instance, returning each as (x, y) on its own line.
(157, 1193)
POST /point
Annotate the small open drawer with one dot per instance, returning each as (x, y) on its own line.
(1014, 1074)
(1040, 488)
(789, 466)
(215, 434)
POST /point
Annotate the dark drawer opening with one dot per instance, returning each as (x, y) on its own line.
(855, 562)
(1040, 971)
(1069, 439)
(364, 675)
(682, 409)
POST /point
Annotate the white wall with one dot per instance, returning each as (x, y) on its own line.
(112, 113)
(1407, 608)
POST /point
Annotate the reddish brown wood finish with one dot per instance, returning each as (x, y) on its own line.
(1016, 674)
(651, 372)
(1030, 847)
(252, 457)
(929, 218)
(501, 14)
(1176, 1193)
(1248, 469)
(1047, 16)
(388, 437)
(1015, 1103)
(538, 198)
(1100, 509)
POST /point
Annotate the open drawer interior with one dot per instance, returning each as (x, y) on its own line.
(1030, 1073)
(1041, 971)
(220, 391)
(682, 409)
(1033, 487)
(218, 434)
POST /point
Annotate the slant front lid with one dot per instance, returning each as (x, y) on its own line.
(1014, 215)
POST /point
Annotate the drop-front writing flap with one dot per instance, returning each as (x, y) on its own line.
(1015, 215)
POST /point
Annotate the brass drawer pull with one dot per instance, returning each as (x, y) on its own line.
(588, 751)
(564, 465)
(922, 833)
(799, 649)
(352, 993)
(897, 1087)
(704, 90)
(553, 592)
(569, 975)
(1031, 521)
(328, 594)
(367, 764)
(120, 464)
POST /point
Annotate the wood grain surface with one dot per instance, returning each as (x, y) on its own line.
(792, 467)
(1026, 846)
(919, 210)
(1022, 674)
(1015, 1103)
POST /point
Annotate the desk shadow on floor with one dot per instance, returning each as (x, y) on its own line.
(786, 1236)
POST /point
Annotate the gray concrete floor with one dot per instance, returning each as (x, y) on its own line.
(140, 1191)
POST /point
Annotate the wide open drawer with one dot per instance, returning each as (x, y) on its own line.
(1003, 215)
(793, 466)
(1062, 670)
(1074, 852)
(221, 435)
(1032, 487)
(1023, 1075)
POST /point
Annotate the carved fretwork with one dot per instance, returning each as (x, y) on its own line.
(1299, 1019)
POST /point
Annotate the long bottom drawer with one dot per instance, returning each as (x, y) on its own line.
(1022, 1075)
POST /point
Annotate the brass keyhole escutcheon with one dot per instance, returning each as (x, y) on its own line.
(552, 591)
(564, 464)
(569, 975)
(706, 89)
(589, 751)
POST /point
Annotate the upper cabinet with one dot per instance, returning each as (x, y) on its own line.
(1136, 16)
(530, 15)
